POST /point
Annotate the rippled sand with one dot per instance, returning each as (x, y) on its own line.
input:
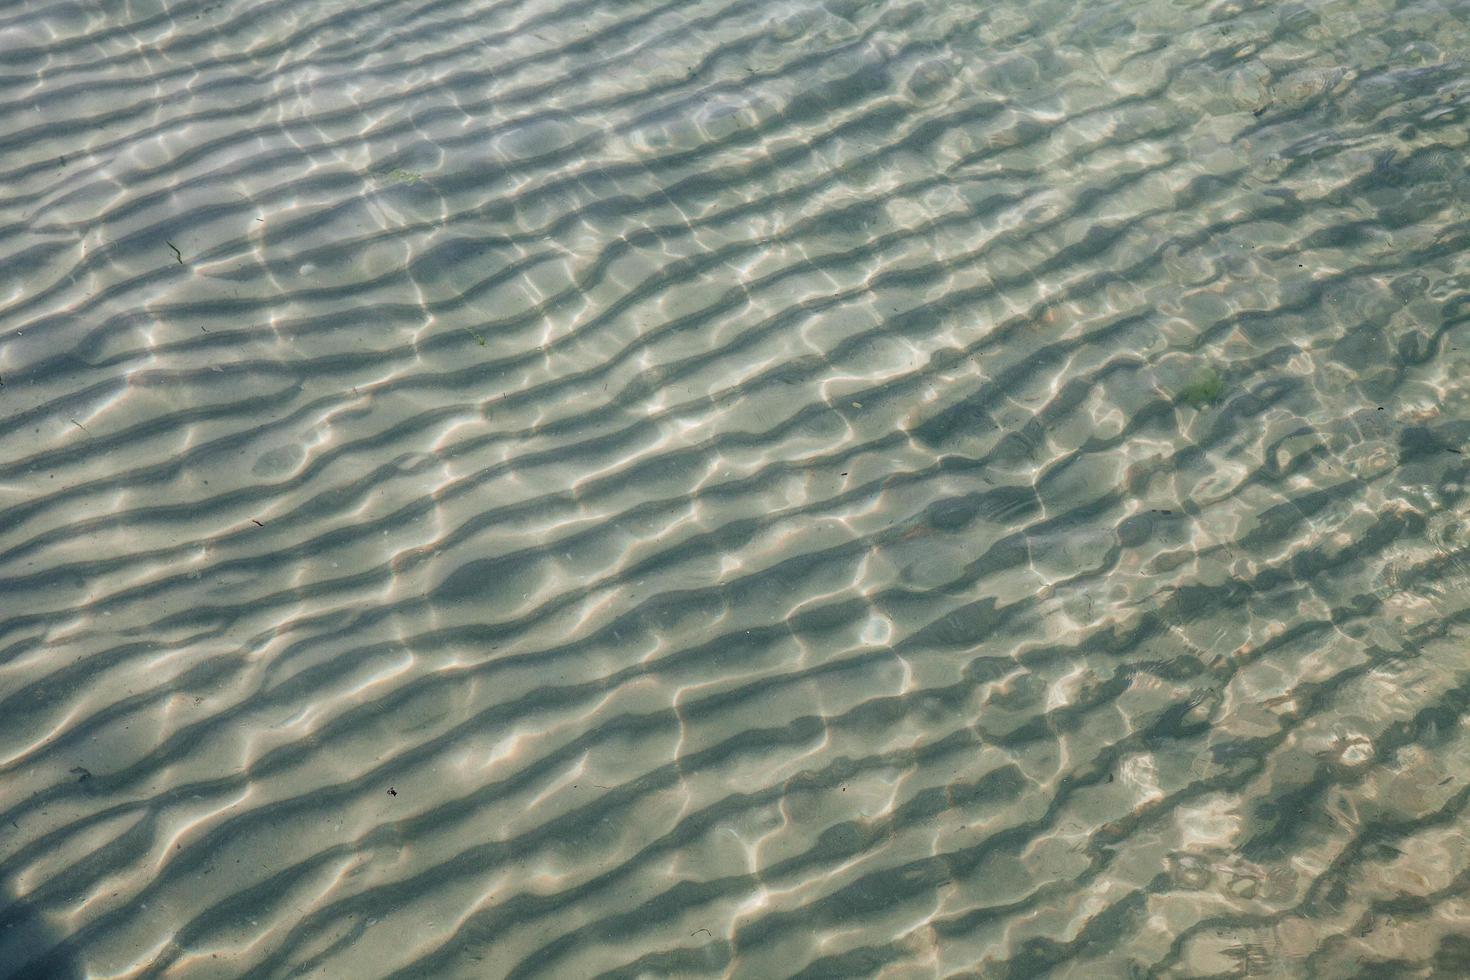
(710, 488)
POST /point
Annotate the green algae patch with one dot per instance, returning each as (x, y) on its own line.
(1203, 389)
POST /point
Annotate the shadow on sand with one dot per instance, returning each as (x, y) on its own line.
(29, 947)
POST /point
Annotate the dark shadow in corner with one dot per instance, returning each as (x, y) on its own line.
(29, 947)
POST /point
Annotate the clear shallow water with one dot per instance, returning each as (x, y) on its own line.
(733, 489)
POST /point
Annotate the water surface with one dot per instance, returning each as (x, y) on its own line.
(725, 488)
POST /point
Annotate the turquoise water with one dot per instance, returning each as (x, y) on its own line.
(729, 489)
